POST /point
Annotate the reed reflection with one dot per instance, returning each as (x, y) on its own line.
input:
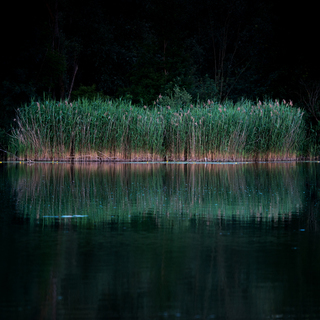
(98, 193)
(163, 241)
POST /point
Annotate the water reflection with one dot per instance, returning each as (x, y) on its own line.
(161, 241)
(117, 192)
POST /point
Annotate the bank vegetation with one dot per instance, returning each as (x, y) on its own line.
(117, 130)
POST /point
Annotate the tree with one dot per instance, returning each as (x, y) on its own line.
(230, 39)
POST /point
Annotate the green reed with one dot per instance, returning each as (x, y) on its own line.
(117, 130)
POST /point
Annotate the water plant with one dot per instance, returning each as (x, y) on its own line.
(117, 130)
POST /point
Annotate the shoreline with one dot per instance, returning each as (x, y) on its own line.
(57, 161)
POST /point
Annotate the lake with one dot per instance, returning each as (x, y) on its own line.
(160, 241)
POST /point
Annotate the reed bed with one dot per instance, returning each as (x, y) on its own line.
(119, 131)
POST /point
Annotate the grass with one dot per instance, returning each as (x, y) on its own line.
(117, 130)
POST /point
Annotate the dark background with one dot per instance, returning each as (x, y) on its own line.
(136, 49)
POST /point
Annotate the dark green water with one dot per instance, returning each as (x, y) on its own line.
(160, 241)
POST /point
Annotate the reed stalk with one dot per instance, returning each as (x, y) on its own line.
(116, 130)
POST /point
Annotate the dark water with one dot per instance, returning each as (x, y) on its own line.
(160, 241)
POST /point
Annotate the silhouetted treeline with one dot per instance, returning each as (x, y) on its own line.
(137, 49)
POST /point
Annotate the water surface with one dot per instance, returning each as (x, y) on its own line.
(160, 241)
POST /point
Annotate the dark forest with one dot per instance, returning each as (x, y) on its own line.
(136, 50)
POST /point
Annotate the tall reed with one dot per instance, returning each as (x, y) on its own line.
(117, 130)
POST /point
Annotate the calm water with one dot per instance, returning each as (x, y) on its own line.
(160, 241)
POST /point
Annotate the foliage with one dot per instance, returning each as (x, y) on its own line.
(310, 96)
(117, 130)
(203, 88)
(175, 98)
(3, 139)
(215, 50)
(87, 92)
